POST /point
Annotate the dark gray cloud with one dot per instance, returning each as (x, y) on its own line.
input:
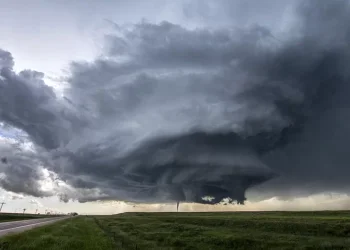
(20, 171)
(174, 114)
(27, 103)
(4, 160)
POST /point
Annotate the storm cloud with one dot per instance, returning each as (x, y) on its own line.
(168, 113)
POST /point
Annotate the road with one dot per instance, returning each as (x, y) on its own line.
(23, 225)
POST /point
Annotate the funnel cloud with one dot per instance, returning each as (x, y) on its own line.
(169, 113)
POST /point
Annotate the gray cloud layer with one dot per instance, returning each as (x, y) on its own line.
(173, 114)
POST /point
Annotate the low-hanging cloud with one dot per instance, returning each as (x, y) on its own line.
(175, 114)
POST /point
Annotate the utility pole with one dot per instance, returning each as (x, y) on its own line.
(2, 203)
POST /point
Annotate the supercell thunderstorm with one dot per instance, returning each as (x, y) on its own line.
(174, 114)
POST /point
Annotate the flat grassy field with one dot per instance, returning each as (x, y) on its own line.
(4, 217)
(230, 230)
(79, 233)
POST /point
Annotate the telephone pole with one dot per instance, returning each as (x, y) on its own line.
(2, 203)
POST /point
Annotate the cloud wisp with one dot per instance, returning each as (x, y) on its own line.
(170, 114)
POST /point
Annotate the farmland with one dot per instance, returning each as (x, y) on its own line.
(224, 230)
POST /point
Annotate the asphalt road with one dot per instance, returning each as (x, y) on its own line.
(23, 225)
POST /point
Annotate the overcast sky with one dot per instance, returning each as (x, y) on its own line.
(158, 101)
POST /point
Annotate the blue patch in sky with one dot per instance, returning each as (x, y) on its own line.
(6, 133)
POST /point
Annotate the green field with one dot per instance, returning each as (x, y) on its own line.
(4, 217)
(79, 233)
(231, 230)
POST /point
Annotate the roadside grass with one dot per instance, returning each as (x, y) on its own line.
(4, 217)
(78, 233)
(235, 230)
